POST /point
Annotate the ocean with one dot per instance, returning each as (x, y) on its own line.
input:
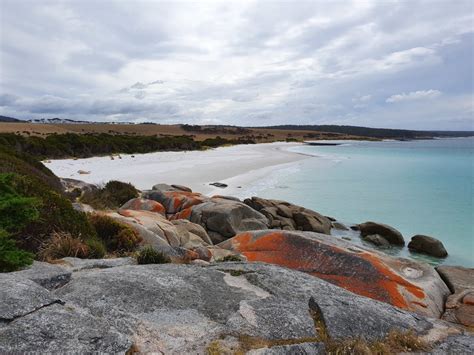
(418, 187)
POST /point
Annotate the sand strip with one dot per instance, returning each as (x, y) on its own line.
(239, 165)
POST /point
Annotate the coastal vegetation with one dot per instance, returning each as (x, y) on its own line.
(380, 133)
(148, 255)
(57, 146)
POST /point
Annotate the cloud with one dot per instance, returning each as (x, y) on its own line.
(238, 62)
(414, 95)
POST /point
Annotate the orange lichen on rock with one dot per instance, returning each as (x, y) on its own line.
(184, 214)
(361, 272)
(180, 200)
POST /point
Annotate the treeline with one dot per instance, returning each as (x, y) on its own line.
(383, 133)
(68, 145)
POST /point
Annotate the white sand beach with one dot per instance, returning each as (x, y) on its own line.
(238, 166)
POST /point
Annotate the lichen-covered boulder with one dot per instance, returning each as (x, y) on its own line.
(427, 245)
(401, 282)
(141, 204)
(385, 231)
(175, 201)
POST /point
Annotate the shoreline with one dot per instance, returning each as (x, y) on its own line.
(239, 165)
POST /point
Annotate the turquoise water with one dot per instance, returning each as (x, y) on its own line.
(418, 187)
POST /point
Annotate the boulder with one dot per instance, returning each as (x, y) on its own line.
(172, 187)
(181, 309)
(400, 282)
(389, 233)
(459, 305)
(219, 184)
(156, 232)
(191, 235)
(142, 204)
(222, 218)
(427, 245)
(457, 278)
(181, 188)
(339, 226)
(376, 240)
(77, 187)
(286, 216)
(175, 201)
(312, 222)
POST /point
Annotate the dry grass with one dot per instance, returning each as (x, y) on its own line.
(62, 245)
(260, 134)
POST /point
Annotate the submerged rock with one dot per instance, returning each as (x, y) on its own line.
(399, 282)
(427, 245)
(387, 232)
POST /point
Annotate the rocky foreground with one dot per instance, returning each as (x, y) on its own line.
(295, 289)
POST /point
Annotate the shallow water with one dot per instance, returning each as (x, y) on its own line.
(418, 187)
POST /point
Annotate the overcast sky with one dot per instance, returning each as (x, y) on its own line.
(400, 64)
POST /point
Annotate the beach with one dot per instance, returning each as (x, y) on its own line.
(238, 166)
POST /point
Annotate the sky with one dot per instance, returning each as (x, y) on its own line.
(394, 64)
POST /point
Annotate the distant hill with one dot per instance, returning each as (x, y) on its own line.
(384, 133)
(9, 119)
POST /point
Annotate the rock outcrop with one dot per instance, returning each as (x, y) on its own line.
(141, 204)
(390, 234)
(427, 245)
(186, 309)
(286, 216)
(459, 305)
(400, 282)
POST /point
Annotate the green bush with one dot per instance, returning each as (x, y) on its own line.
(117, 236)
(148, 255)
(97, 248)
(31, 211)
(12, 258)
(15, 210)
(113, 195)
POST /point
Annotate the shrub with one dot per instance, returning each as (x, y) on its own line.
(97, 248)
(61, 245)
(113, 195)
(15, 210)
(148, 255)
(117, 236)
(55, 214)
(12, 258)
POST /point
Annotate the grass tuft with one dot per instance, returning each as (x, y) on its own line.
(148, 255)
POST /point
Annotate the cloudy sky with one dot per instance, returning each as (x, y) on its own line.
(400, 64)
